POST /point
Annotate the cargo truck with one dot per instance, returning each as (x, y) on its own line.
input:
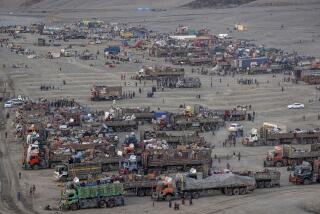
(99, 93)
(140, 187)
(287, 155)
(174, 139)
(268, 136)
(306, 173)
(121, 125)
(265, 178)
(99, 194)
(193, 186)
(176, 160)
(150, 73)
(39, 156)
(181, 122)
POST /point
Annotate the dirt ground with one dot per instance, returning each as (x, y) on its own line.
(301, 22)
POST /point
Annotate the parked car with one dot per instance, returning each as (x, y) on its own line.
(316, 130)
(297, 130)
(234, 127)
(8, 104)
(296, 106)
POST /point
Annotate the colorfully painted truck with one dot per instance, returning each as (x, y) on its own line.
(98, 194)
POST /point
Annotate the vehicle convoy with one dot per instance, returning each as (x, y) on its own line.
(265, 178)
(98, 194)
(306, 173)
(174, 139)
(270, 134)
(193, 185)
(99, 93)
(286, 155)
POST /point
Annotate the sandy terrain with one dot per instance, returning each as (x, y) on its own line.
(301, 22)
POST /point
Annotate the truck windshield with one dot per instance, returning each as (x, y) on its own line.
(297, 171)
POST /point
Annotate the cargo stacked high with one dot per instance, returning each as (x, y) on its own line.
(98, 194)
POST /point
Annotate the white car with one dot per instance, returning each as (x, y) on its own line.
(296, 106)
(8, 104)
(234, 127)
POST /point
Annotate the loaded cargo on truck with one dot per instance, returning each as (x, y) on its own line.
(174, 139)
(98, 194)
(99, 93)
(287, 155)
(272, 135)
(193, 185)
(265, 178)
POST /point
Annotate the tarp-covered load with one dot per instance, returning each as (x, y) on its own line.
(217, 181)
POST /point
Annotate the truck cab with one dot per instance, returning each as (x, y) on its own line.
(274, 157)
(61, 172)
(164, 191)
(69, 199)
(252, 138)
(127, 166)
(302, 174)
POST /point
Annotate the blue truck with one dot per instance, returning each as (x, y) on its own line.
(113, 50)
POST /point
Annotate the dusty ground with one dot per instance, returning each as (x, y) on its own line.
(301, 23)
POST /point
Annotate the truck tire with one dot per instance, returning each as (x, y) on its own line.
(243, 191)
(102, 204)
(140, 193)
(235, 191)
(110, 203)
(260, 184)
(278, 164)
(74, 207)
(36, 166)
(267, 184)
(195, 195)
(53, 165)
(306, 181)
(228, 191)
(168, 197)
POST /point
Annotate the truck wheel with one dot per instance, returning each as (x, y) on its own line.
(267, 184)
(235, 191)
(306, 181)
(168, 197)
(228, 191)
(140, 193)
(110, 203)
(261, 185)
(36, 166)
(53, 165)
(243, 191)
(278, 164)
(74, 207)
(195, 195)
(102, 204)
